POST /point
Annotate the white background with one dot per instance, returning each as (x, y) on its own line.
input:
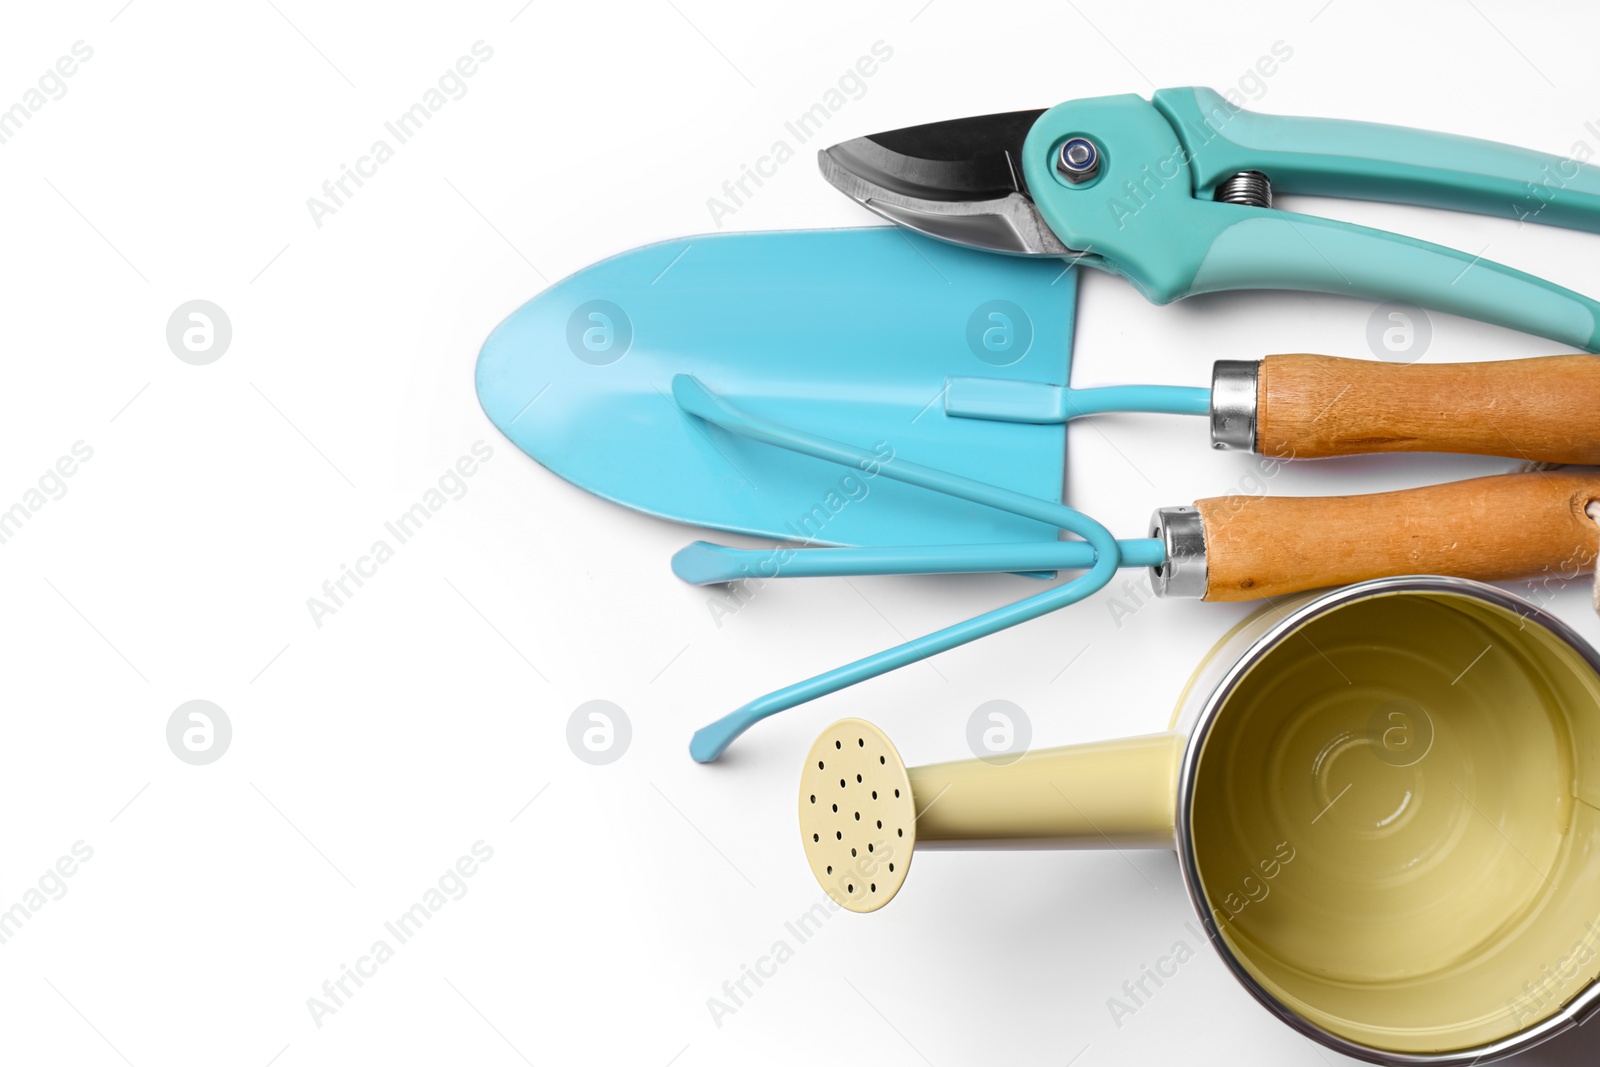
(372, 752)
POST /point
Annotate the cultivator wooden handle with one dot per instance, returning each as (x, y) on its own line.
(1306, 407)
(1500, 528)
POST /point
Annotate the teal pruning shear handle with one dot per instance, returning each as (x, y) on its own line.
(1175, 195)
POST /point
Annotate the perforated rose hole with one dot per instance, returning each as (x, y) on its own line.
(857, 816)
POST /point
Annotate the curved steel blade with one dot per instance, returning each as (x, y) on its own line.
(959, 180)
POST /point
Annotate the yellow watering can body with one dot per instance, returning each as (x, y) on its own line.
(1385, 802)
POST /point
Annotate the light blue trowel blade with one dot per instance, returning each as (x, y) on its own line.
(850, 334)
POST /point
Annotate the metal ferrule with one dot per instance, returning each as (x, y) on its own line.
(1233, 404)
(1184, 535)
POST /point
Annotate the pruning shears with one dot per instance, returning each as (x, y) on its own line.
(1175, 194)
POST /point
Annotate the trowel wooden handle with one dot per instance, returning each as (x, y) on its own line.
(1545, 409)
(1501, 528)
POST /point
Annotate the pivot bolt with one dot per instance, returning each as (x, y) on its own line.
(1078, 160)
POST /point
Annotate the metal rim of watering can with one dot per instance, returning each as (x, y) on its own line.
(1574, 1013)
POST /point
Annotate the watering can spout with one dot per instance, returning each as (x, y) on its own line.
(863, 812)
(1106, 794)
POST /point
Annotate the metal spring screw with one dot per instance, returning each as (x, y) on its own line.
(1250, 188)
